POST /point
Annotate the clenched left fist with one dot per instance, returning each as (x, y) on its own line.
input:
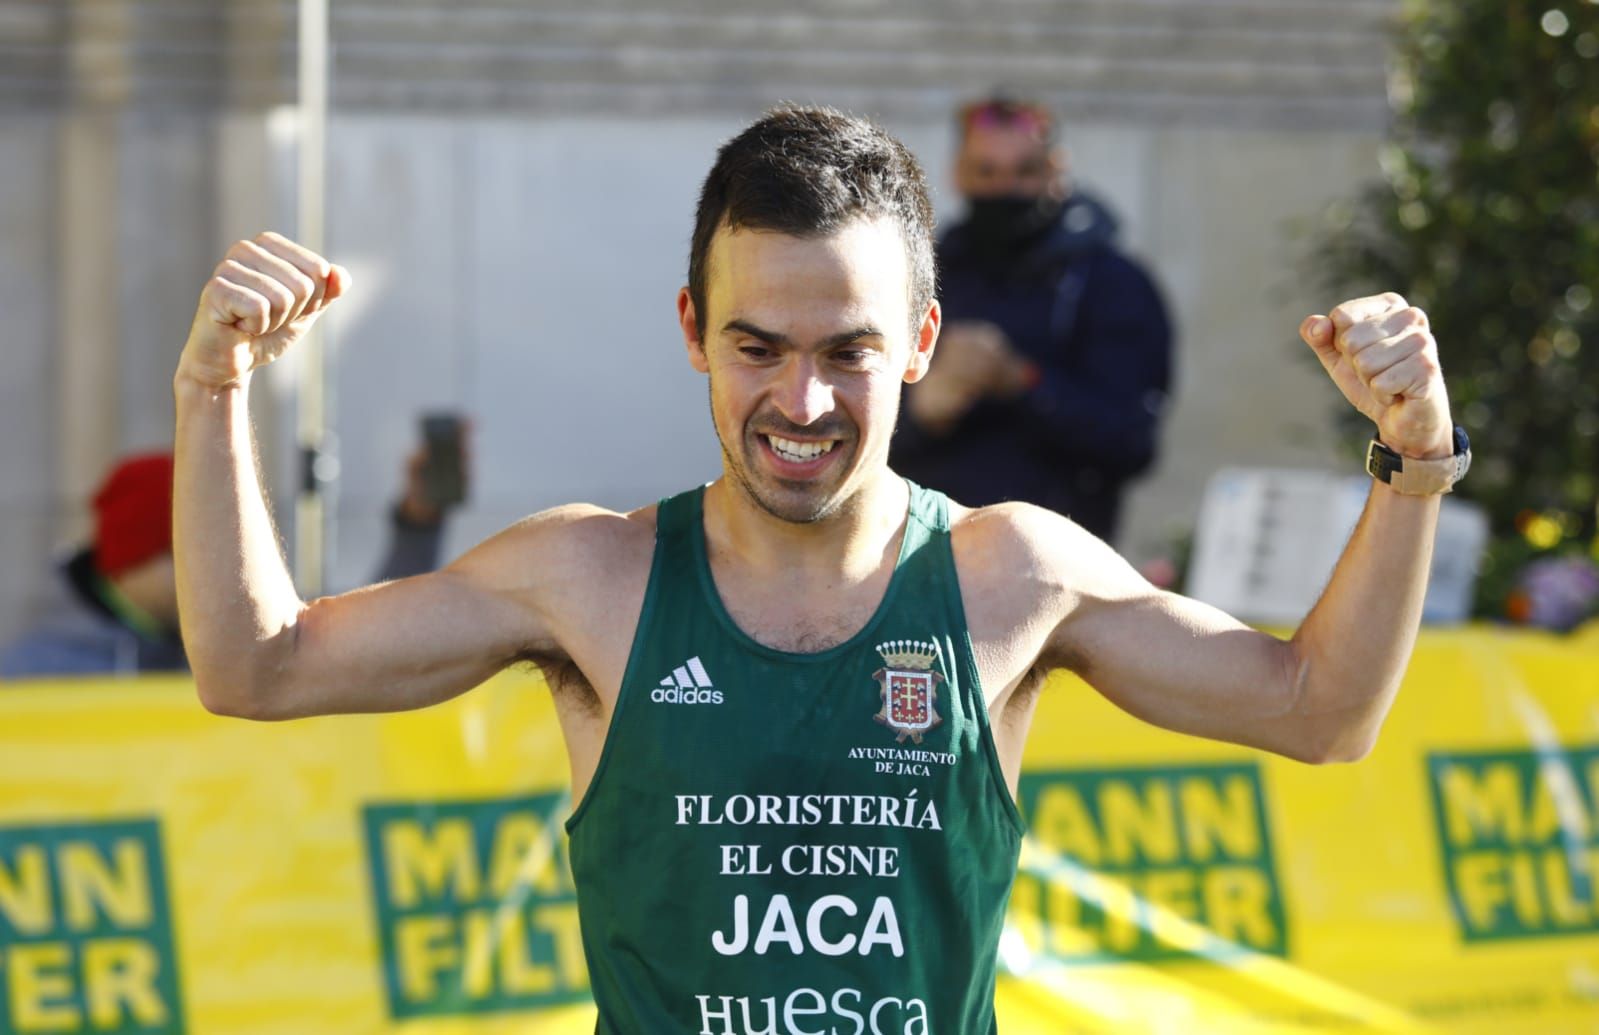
(1380, 353)
(261, 299)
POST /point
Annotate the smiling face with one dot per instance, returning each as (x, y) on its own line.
(806, 341)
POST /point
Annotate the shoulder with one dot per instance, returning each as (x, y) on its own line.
(590, 529)
(575, 538)
(1026, 567)
(1019, 552)
(557, 575)
(1005, 531)
(1105, 263)
(1014, 533)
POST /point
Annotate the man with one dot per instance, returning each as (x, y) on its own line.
(112, 607)
(794, 701)
(1055, 359)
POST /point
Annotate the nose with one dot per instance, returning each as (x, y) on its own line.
(802, 395)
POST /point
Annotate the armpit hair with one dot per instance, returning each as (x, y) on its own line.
(563, 677)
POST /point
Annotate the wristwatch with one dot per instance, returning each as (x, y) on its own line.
(1412, 477)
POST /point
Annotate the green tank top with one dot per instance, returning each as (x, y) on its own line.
(796, 844)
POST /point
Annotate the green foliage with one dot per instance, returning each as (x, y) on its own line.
(1489, 220)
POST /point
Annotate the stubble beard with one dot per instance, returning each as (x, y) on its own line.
(809, 509)
(803, 511)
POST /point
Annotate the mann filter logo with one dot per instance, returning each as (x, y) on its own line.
(908, 687)
(1518, 830)
(1147, 864)
(86, 931)
(475, 906)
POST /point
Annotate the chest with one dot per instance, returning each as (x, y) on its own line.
(800, 616)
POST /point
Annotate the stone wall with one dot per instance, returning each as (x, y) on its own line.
(1297, 65)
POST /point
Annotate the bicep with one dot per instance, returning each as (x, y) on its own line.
(1179, 663)
(399, 645)
(421, 640)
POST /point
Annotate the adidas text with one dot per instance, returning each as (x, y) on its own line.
(675, 696)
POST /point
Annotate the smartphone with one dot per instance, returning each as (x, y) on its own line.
(443, 470)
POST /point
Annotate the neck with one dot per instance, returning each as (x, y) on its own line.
(850, 543)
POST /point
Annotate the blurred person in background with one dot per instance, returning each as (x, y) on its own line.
(112, 605)
(1054, 363)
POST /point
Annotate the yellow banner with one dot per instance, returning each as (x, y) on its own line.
(164, 871)
(1444, 883)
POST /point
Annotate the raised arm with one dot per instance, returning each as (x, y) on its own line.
(258, 650)
(1322, 695)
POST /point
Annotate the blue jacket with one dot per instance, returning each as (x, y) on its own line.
(1095, 325)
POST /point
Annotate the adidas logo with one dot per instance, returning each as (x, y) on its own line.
(688, 684)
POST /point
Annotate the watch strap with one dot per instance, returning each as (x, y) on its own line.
(1410, 476)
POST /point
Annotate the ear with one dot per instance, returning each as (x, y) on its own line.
(689, 322)
(922, 347)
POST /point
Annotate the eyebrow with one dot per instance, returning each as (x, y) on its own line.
(774, 338)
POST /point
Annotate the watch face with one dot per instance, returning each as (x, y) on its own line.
(1462, 443)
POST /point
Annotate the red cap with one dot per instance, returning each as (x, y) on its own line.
(133, 513)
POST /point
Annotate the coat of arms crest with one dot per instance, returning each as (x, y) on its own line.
(909, 688)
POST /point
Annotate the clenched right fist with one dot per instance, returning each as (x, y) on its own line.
(263, 297)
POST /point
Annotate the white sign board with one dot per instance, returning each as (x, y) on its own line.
(1267, 541)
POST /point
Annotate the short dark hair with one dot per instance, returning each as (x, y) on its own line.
(808, 172)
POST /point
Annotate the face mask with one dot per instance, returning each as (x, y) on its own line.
(999, 225)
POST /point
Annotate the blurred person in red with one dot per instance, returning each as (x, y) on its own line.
(112, 605)
(1054, 362)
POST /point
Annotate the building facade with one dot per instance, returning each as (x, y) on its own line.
(512, 185)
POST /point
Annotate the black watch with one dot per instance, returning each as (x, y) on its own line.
(1413, 477)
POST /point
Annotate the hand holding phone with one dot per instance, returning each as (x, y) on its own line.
(436, 474)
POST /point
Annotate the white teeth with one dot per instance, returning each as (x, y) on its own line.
(798, 451)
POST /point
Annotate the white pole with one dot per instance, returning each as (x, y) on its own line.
(317, 466)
